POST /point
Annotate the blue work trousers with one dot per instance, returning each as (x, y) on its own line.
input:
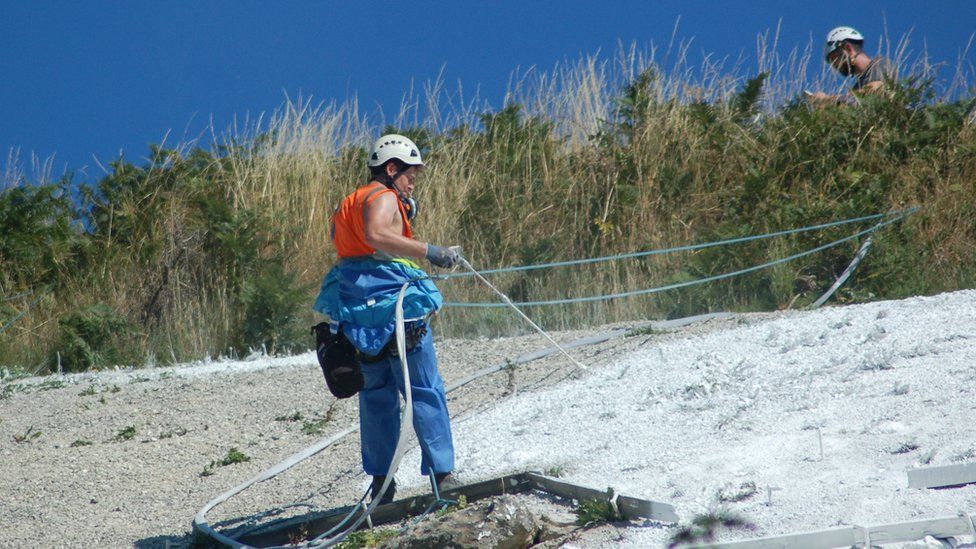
(379, 411)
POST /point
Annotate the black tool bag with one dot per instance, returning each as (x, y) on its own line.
(339, 361)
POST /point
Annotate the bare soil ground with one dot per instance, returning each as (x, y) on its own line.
(126, 458)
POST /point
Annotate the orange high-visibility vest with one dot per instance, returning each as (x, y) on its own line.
(349, 221)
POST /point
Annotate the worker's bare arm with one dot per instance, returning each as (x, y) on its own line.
(384, 228)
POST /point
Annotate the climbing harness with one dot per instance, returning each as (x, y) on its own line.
(414, 334)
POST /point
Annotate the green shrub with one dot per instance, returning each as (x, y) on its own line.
(272, 302)
(39, 241)
(91, 338)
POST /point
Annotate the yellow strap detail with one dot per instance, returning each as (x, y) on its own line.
(407, 262)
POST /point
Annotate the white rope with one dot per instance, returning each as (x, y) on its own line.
(519, 311)
(844, 276)
(200, 520)
(406, 420)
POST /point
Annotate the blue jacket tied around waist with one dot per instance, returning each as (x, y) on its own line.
(361, 297)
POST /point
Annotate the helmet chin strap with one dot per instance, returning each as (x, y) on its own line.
(409, 204)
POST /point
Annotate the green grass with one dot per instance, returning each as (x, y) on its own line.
(314, 427)
(81, 442)
(596, 511)
(126, 433)
(368, 538)
(233, 456)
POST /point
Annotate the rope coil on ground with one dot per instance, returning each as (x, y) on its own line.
(327, 539)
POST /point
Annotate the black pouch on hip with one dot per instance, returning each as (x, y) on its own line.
(339, 361)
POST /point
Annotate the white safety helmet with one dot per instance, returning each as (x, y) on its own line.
(837, 37)
(394, 146)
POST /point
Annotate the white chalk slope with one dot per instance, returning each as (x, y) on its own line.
(889, 386)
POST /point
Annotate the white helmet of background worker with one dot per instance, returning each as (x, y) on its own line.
(838, 36)
(392, 146)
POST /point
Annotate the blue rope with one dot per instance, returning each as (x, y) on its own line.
(22, 313)
(17, 296)
(902, 215)
(685, 248)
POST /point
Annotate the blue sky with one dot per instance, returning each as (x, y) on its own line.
(86, 80)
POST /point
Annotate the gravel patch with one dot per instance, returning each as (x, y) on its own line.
(126, 458)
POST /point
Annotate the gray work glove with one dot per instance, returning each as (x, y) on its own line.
(441, 256)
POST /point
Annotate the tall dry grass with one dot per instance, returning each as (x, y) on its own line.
(566, 169)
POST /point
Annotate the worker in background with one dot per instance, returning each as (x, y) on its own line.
(844, 52)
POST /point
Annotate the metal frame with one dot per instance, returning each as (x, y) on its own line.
(946, 476)
(280, 532)
(858, 536)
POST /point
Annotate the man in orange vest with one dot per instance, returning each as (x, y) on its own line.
(374, 241)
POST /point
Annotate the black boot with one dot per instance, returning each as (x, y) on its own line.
(377, 484)
(445, 481)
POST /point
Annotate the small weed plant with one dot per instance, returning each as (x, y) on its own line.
(297, 416)
(706, 526)
(51, 385)
(556, 471)
(462, 503)
(126, 433)
(29, 435)
(233, 456)
(368, 538)
(597, 511)
(314, 427)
